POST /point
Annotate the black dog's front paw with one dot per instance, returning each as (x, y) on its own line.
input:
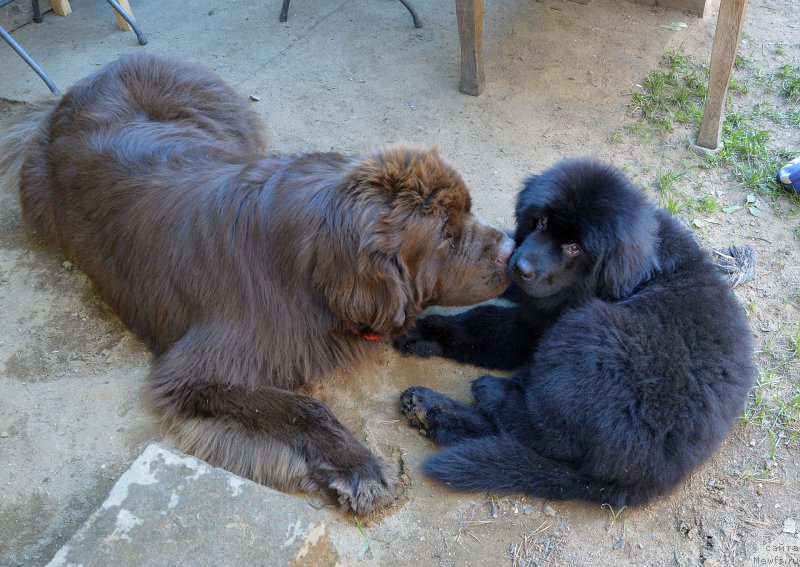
(424, 339)
(413, 406)
(440, 418)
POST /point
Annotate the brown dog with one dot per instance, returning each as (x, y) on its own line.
(247, 274)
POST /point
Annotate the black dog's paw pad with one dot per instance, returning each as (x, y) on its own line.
(415, 411)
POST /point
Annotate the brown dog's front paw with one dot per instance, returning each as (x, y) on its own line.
(370, 487)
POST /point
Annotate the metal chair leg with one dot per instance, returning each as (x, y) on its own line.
(414, 16)
(37, 13)
(121, 11)
(27, 58)
(284, 11)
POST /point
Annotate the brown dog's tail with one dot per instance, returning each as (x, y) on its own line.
(17, 135)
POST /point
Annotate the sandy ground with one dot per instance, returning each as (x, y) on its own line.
(348, 75)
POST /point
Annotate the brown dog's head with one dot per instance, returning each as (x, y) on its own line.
(417, 242)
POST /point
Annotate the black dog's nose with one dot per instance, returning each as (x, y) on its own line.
(524, 268)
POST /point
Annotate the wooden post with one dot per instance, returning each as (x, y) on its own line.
(723, 55)
(121, 23)
(61, 7)
(470, 35)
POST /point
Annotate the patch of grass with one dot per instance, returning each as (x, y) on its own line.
(793, 117)
(789, 75)
(756, 410)
(749, 156)
(670, 197)
(708, 203)
(794, 343)
(767, 109)
(781, 48)
(667, 179)
(674, 94)
(739, 86)
(788, 415)
(770, 350)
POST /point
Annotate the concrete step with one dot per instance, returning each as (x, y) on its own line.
(172, 509)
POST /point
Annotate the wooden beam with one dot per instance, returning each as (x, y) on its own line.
(121, 23)
(61, 7)
(723, 55)
(470, 35)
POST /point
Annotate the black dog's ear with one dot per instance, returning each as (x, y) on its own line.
(526, 196)
(529, 200)
(631, 262)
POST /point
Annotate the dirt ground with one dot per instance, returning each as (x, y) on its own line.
(348, 75)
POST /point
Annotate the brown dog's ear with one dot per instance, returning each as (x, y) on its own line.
(367, 289)
(359, 268)
(366, 280)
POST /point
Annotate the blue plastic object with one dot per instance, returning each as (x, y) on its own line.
(789, 175)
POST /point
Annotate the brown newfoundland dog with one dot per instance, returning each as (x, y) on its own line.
(247, 274)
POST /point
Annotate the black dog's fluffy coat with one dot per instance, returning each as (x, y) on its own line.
(632, 356)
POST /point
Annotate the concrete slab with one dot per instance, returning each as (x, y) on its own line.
(172, 509)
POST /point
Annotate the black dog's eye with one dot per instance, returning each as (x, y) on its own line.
(541, 223)
(572, 249)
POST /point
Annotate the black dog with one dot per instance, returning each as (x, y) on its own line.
(632, 356)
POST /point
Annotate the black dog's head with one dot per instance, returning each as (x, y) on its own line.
(584, 230)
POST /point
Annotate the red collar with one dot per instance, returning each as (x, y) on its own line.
(363, 331)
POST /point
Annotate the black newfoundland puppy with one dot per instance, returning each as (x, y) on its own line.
(248, 274)
(632, 357)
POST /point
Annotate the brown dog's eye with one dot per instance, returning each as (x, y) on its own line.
(448, 243)
(541, 223)
(572, 249)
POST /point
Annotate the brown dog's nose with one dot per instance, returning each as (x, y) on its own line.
(524, 268)
(505, 250)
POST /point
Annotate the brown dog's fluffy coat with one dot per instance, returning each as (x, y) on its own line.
(247, 274)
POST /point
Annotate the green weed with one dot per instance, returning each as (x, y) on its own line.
(368, 540)
(708, 203)
(794, 341)
(790, 77)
